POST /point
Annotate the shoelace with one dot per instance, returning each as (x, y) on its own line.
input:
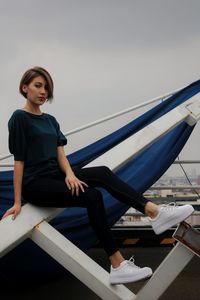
(131, 261)
(168, 206)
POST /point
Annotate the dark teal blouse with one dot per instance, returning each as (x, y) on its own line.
(34, 139)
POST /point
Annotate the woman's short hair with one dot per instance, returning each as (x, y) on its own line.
(32, 73)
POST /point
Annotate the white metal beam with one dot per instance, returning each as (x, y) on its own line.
(133, 145)
(14, 232)
(165, 274)
(78, 263)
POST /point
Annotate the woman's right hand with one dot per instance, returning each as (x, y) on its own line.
(14, 210)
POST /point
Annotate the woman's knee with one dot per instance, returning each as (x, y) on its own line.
(94, 197)
(104, 171)
(92, 193)
(105, 168)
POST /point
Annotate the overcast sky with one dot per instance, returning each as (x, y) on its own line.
(104, 56)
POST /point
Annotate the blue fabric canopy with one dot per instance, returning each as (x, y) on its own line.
(138, 172)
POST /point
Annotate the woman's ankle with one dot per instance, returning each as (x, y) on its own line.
(116, 259)
(151, 209)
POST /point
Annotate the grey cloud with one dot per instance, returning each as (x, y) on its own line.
(104, 24)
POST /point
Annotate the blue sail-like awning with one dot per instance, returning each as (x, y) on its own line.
(138, 172)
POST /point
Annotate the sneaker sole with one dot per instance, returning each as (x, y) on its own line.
(174, 221)
(130, 279)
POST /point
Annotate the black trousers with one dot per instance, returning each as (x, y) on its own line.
(53, 192)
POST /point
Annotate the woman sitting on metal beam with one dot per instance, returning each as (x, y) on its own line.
(44, 177)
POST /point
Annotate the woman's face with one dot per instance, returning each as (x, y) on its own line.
(36, 90)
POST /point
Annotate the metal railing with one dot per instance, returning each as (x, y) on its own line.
(177, 187)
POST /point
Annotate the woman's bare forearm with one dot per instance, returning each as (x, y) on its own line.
(72, 182)
(17, 178)
(63, 161)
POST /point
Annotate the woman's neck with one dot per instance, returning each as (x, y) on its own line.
(34, 109)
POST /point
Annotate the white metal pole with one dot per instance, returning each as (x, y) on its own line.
(166, 273)
(78, 263)
(133, 145)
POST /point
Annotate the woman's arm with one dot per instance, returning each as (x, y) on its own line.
(63, 161)
(71, 180)
(18, 175)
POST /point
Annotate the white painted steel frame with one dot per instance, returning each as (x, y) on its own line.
(32, 220)
(13, 232)
(165, 274)
(78, 263)
(135, 144)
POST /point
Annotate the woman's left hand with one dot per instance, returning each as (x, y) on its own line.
(74, 184)
(14, 210)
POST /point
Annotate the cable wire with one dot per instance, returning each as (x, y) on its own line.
(188, 179)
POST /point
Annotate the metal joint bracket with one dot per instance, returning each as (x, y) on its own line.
(194, 110)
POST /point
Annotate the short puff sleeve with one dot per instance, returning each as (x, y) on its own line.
(61, 139)
(17, 137)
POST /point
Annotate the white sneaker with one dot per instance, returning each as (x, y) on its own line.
(128, 272)
(169, 216)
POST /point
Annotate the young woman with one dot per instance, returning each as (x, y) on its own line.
(44, 177)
